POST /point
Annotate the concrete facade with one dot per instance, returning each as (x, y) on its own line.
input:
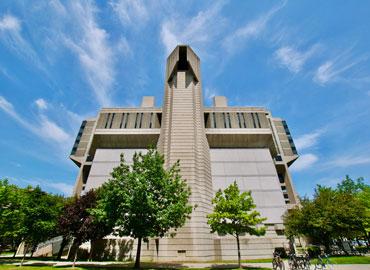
(215, 145)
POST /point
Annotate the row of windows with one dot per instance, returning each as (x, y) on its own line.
(129, 120)
(78, 138)
(290, 139)
(235, 120)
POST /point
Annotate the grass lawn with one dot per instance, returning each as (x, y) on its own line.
(348, 260)
(13, 267)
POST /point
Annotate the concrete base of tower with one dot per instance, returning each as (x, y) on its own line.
(217, 248)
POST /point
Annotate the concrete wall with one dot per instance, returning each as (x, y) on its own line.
(253, 170)
(104, 162)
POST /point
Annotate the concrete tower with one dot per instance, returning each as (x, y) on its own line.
(183, 138)
(215, 145)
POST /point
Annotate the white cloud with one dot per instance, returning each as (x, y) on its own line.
(130, 12)
(196, 31)
(43, 127)
(347, 161)
(304, 162)
(93, 50)
(307, 140)
(10, 35)
(335, 69)
(293, 59)
(10, 23)
(250, 30)
(41, 104)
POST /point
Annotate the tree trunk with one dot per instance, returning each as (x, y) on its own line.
(24, 253)
(62, 246)
(15, 253)
(138, 253)
(237, 241)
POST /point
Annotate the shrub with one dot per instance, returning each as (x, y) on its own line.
(313, 251)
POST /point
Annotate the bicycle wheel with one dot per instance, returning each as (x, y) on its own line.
(281, 265)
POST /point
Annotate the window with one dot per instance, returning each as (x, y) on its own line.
(107, 120)
(136, 120)
(239, 121)
(281, 178)
(151, 120)
(126, 120)
(228, 119)
(224, 116)
(258, 120)
(111, 120)
(214, 120)
(245, 123)
(140, 120)
(254, 121)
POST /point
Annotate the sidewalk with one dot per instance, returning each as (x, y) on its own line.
(182, 265)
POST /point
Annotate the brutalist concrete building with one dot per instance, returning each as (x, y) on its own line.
(215, 145)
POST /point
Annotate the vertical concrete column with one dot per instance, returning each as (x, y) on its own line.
(183, 138)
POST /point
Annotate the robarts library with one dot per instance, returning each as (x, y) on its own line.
(215, 145)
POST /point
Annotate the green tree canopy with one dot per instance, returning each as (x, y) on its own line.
(234, 214)
(143, 199)
(40, 214)
(11, 229)
(332, 213)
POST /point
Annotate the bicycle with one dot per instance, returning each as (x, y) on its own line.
(277, 262)
(323, 262)
(299, 262)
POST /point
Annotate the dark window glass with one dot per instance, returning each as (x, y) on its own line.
(107, 120)
(239, 121)
(224, 116)
(254, 121)
(122, 119)
(126, 120)
(258, 120)
(228, 119)
(244, 122)
(281, 178)
(111, 120)
(136, 120)
(151, 120)
(214, 120)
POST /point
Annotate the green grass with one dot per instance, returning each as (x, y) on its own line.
(13, 267)
(348, 260)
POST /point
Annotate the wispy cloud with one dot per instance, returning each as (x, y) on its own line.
(293, 59)
(94, 52)
(304, 161)
(346, 161)
(335, 69)
(43, 127)
(197, 31)
(130, 12)
(11, 37)
(252, 29)
(308, 140)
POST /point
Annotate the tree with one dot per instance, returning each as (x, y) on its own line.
(11, 229)
(144, 200)
(331, 214)
(40, 212)
(234, 214)
(77, 223)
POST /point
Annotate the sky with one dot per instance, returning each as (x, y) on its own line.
(308, 62)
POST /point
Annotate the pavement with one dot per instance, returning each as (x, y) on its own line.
(184, 265)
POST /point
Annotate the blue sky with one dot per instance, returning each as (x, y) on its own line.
(306, 61)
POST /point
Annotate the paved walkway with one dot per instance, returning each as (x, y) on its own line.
(185, 265)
